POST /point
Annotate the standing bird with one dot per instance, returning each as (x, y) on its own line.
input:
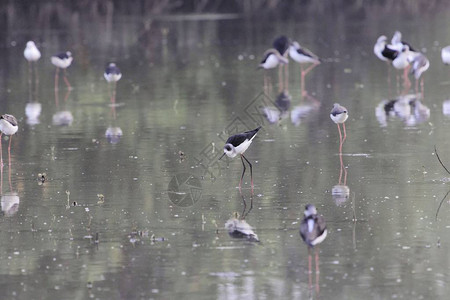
(31, 52)
(8, 126)
(445, 54)
(281, 44)
(32, 55)
(420, 64)
(62, 61)
(112, 75)
(379, 47)
(313, 229)
(303, 56)
(339, 115)
(272, 58)
(237, 144)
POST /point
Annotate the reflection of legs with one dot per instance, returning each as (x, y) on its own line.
(243, 172)
(56, 87)
(36, 77)
(251, 171)
(317, 272)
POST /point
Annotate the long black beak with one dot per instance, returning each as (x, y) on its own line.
(222, 156)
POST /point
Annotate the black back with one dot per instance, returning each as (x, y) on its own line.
(319, 228)
(112, 70)
(239, 138)
(62, 55)
(281, 44)
(389, 53)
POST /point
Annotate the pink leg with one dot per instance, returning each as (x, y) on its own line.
(342, 167)
(1, 152)
(317, 273)
(280, 78)
(345, 134)
(9, 151)
(66, 80)
(340, 138)
(56, 87)
(286, 76)
(302, 81)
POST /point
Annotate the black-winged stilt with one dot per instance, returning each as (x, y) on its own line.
(62, 61)
(8, 126)
(303, 56)
(32, 55)
(236, 145)
(339, 115)
(313, 231)
(420, 64)
(112, 75)
(272, 59)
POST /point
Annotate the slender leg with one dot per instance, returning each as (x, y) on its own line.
(251, 171)
(302, 81)
(309, 69)
(286, 76)
(421, 88)
(280, 78)
(243, 172)
(36, 78)
(340, 138)
(9, 151)
(56, 87)
(1, 152)
(66, 80)
(29, 77)
(309, 268)
(114, 92)
(317, 273)
(345, 134)
(342, 167)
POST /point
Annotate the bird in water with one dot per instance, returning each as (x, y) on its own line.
(236, 145)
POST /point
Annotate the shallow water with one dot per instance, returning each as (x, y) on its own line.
(187, 85)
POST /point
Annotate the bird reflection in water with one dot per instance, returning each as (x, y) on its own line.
(407, 108)
(62, 117)
(33, 108)
(341, 191)
(238, 228)
(282, 109)
(112, 75)
(10, 200)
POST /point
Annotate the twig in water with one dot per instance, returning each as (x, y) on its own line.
(440, 161)
(441, 203)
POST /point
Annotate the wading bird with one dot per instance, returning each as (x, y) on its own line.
(62, 61)
(237, 144)
(339, 115)
(8, 126)
(303, 56)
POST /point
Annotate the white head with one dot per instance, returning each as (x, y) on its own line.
(310, 210)
(30, 44)
(229, 150)
(397, 38)
(69, 54)
(112, 65)
(381, 39)
(296, 45)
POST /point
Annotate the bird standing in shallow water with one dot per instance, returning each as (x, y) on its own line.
(62, 61)
(303, 56)
(313, 231)
(237, 144)
(32, 55)
(8, 126)
(339, 115)
(420, 64)
(272, 58)
(112, 75)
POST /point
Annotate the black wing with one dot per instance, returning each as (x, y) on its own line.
(410, 48)
(389, 53)
(281, 44)
(62, 55)
(112, 70)
(239, 138)
(265, 57)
